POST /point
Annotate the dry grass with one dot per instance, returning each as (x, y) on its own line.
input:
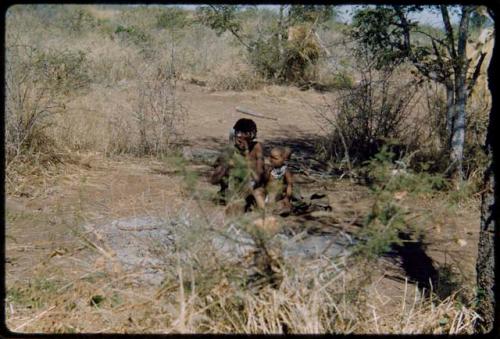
(320, 297)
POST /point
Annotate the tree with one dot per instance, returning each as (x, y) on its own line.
(389, 33)
(272, 50)
(485, 265)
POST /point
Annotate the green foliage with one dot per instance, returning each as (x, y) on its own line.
(478, 20)
(79, 21)
(264, 55)
(381, 228)
(220, 18)
(311, 13)
(190, 178)
(172, 18)
(388, 218)
(132, 33)
(35, 295)
(72, 19)
(96, 300)
(272, 55)
(385, 174)
(378, 31)
(239, 174)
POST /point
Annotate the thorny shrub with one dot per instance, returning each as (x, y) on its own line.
(388, 218)
(376, 109)
(159, 115)
(38, 83)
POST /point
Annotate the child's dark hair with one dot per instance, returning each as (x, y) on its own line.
(245, 126)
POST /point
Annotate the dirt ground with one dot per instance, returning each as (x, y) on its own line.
(45, 217)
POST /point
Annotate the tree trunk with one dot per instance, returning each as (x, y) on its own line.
(280, 33)
(282, 27)
(460, 69)
(450, 112)
(485, 266)
(458, 134)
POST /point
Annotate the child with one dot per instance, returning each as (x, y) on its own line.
(244, 163)
(279, 180)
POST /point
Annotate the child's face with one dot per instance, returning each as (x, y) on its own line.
(277, 159)
(241, 141)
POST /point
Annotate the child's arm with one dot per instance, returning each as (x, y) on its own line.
(221, 168)
(289, 183)
(258, 166)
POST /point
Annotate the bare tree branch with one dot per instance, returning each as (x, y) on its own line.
(449, 31)
(233, 32)
(476, 73)
(433, 39)
(406, 30)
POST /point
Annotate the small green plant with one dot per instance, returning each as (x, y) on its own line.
(384, 173)
(96, 300)
(36, 294)
(388, 218)
(190, 178)
(381, 228)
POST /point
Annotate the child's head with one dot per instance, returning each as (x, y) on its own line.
(279, 155)
(245, 130)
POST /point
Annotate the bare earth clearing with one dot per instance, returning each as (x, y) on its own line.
(60, 229)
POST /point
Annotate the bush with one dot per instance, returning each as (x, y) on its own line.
(63, 71)
(374, 111)
(37, 85)
(388, 219)
(172, 18)
(264, 56)
(385, 173)
(132, 33)
(159, 115)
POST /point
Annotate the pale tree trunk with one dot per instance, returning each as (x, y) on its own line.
(280, 33)
(450, 111)
(281, 48)
(458, 131)
(485, 266)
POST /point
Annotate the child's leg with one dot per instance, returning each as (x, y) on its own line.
(260, 197)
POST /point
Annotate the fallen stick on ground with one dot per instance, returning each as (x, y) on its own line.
(33, 319)
(255, 114)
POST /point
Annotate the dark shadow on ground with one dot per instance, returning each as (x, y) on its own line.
(418, 266)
